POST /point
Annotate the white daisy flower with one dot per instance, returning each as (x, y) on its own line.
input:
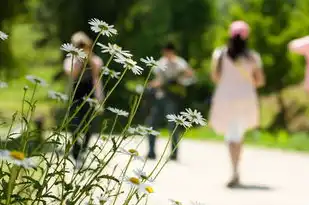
(142, 131)
(111, 73)
(36, 80)
(134, 182)
(106, 70)
(118, 112)
(72, 51)
(102, 27)
(146, 189)
(150, 62)
(147, 130)
(174, 202)
(129, 64)
(114, 49)
(92, 102)
(142, 175)
(57, 96)
(132, 130)
(179, 120)
(3, 84)
(3, 36)
(132, 153)
(115, 74)
(17, 158)
(194, 116)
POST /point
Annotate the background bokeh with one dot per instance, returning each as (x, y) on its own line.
(37, 28)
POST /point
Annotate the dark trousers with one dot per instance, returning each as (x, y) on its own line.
(77, 127)
(158, 111)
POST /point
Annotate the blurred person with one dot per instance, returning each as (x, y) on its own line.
(301, 46)
(89, 80)
(168, 88)
(237, 73)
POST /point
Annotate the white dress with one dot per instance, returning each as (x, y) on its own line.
(234, 105)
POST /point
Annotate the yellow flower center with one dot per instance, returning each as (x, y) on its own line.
(134, 180)
(149, 189)
(133, 152)
(17, 155)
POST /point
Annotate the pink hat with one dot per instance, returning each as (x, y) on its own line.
(239, 28)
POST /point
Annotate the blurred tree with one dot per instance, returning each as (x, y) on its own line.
(144, 26)
(9, 11)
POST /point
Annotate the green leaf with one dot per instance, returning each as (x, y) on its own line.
(109, 177)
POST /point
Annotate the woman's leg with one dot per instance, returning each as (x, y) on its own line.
(234, 138)
(235, 149)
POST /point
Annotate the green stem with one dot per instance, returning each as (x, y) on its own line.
(80, 77)
(140, 200)
(11, 184)
(31, 100)
(65, 122)
(22, 108)
(113, 127)
(71, 96)
(28, 118)
(181, 137)
(165, 149)
(9, 131)
(124, 130)
(129, 198)
(120, 186)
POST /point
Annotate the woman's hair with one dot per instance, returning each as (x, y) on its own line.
(237, 47)
(81, 40)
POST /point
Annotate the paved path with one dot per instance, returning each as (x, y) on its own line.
(272, 177)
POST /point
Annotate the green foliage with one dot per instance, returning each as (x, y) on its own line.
(38, 169)
(9, 11)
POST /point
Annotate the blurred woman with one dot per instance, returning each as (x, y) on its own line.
(89, 81)
(301, 46)
(237, 72)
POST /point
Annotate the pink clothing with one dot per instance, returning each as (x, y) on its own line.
(235, 100)
(239, 28)
(301, 46)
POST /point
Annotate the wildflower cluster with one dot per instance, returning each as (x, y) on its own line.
(41, 170)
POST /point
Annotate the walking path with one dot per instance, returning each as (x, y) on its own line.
(270, 177)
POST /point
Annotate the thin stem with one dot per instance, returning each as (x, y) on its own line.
(181, 137)
(140, 200)
(32, 97)
(166, 146)
(80, 77)
(120, 186)
(11, 184)
(91, 92)
(22, 108)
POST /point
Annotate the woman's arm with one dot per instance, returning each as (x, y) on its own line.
(72, 71)
(215, 75)
(258, 73)
(96, 64)
(259, 78)
(300, 45)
